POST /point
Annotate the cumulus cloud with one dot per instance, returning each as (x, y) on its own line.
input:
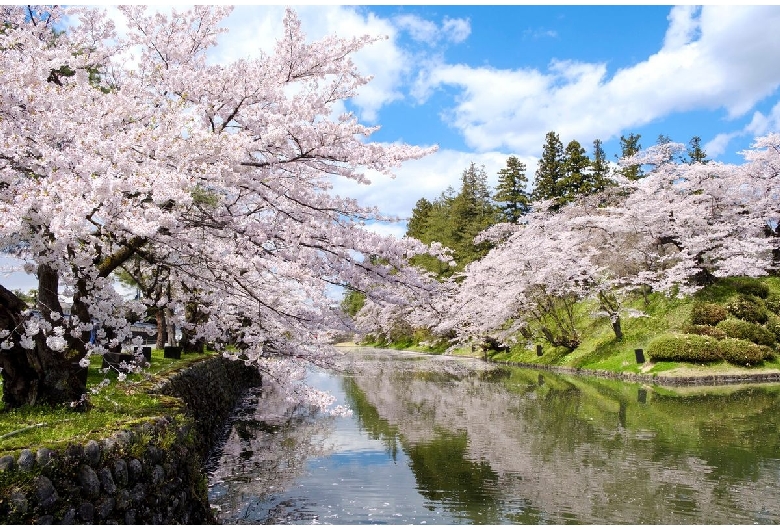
(683, 26)
(419, 29)
(714, 57)
(456, 29)
(254, 30)
(427, 177)
(759, 125)
(425, 31)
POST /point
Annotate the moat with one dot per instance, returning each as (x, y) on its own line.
(443, 440)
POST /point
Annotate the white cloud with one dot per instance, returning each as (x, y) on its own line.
(539, 33)
(759, 125)
(452, 29)
(427, 177)
(717, 146)
(717, 57)
(683, 26)
(396, 230)
(419, 29)
(456, 29)
(255, 28)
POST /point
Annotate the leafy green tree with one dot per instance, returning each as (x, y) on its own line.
(696, 154)
(434, 224)
(511, 191)
(577, 178)
(629, 146)
(454, 220)
(599, 167)
(352, 302)
(418, 222)
(472, 212)
(30, 297)
(550, 172)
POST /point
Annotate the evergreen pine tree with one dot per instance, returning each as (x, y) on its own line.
(630, 146)
(418, 222)
(577, 179)
(695, 152)
(511, 191)
(435, 225)
(472, 212)
(599, 167)
(549, 173)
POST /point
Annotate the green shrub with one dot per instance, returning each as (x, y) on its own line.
(704, 314)
(748, 308)
(773, 326)
(742, 352)
(739, 329)
(708, 331)
(773, 303)
(687, 348)
(750, 286)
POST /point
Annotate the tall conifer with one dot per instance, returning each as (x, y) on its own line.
(577, 178)
(419, 221)
(549, 173)
(630, 146)
(511, 191)
(695, 152)
(599, 167)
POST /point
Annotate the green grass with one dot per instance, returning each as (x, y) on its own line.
(600, 350)
(116, 406)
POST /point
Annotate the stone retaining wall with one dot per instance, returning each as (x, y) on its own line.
(694, 380)
(152, 474)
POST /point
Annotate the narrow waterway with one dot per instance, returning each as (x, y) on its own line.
(439, 440)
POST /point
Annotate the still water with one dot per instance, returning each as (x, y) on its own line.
(442, 440)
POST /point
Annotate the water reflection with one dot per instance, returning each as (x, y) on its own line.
(441, 440)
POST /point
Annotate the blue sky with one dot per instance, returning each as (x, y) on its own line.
(487, 82)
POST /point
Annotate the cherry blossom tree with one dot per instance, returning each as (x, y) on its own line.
(673, 231)
(218, 174)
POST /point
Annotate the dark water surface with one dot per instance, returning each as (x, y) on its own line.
(437, 440)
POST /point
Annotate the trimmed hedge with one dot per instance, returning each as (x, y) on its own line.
(704, 314)
(701, 349)
(748, 308)
(707, 331)
(739, 329)
(742, 352)
(687, 348)
(750, 286)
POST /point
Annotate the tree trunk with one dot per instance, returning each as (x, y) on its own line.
(616, 328)
(40, 375)
(162, 329)
(170, 328)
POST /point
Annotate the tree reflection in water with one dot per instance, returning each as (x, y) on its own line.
(268, 444)
(443, 440)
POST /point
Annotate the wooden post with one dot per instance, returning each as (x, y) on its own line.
(538, 350)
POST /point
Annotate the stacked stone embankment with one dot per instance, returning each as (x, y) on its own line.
(149, 474)
(655, 379)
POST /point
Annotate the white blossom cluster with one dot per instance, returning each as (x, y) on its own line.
(213, 180)
(664, 232)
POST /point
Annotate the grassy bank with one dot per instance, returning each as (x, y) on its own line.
(116, 406)
(599, 349)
